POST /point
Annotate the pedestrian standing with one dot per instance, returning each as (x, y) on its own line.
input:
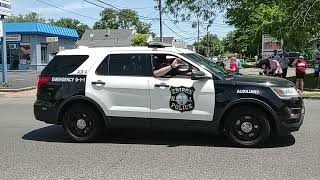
(316, 73)
(284, 65)
(301, 67)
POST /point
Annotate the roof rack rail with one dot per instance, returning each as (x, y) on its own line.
(155, 44)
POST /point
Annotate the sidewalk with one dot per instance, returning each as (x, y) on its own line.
(255, 71)
(20, 81)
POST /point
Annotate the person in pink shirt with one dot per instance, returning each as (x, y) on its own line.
(301, 67)
(233, 66)
(275, 68)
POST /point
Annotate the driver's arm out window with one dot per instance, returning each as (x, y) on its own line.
(162, 60)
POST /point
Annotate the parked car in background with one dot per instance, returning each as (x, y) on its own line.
(291, 56)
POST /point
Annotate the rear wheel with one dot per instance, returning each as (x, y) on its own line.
(82, 123)
(247, 126)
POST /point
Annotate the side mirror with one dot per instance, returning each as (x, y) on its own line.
(197, 75)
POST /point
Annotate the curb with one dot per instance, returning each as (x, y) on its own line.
(312, 90)
(311, 97)
(18, 90)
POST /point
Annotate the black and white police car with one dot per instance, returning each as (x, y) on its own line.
(90, 90)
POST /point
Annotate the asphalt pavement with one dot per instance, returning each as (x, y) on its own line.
(35, 150)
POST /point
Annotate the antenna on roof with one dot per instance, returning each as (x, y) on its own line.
(154, 44)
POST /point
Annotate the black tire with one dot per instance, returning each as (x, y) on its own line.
(247, 126)
(82, 123)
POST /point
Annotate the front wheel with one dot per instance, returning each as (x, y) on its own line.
(247, 126)
(82, 123)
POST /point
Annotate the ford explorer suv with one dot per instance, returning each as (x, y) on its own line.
(92, 90)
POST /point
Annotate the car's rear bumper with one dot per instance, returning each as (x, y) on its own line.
(46, 112)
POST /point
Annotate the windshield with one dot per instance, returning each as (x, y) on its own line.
(207, 64)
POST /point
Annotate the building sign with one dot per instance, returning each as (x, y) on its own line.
(269, 44)
(13, 37)
(5, 7)
(52, 39)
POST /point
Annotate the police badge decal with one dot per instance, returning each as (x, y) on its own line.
(181, 98)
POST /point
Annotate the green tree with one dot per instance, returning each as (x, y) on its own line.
(139, 40)
(122, 19)
(71, 23)
(143, 28)
(30, 17)
(127, 18)
(213, 43)
(239, 40)
(109, 19)
(294, 21)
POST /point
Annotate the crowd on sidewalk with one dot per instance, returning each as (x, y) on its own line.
(277, 66)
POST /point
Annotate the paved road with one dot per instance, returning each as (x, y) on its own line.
(34, 150)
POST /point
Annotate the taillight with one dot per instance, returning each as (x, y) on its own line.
(41, 82)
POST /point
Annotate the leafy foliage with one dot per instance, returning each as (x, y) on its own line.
(294, 21)
(63, 22)
(71, 23)
(30, 17)
(213, 43)
(122, 19)
(139, 40)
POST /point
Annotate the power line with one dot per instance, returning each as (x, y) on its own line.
(110, 5)
(67, 10)
(119, 7)
(182, 37)
(114, 7)
(175, 24)
(94, 4)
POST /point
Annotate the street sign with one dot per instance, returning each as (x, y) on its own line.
(52, 39)
(5, 7)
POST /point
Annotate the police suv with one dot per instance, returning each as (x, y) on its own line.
(90, 90)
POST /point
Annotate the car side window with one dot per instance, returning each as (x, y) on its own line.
(103, 68)
(183, 71)
(125, 65)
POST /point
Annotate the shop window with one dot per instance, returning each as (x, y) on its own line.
(44, 54)
(25, 54)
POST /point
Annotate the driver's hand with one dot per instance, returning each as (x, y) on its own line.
(176, 63)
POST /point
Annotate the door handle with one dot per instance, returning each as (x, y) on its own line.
(98, 83)
(161, 85)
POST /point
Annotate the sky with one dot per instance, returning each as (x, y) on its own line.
(88, 14)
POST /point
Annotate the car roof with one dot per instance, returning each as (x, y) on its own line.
(87, 51)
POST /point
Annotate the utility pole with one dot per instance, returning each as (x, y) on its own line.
(160, 11)
(208, 41)
(4, 53)
(198, 30)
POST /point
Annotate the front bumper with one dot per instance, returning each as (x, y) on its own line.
(46, 112)
(291, 116)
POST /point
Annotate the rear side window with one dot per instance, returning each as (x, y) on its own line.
(63, 65)
(126, 65)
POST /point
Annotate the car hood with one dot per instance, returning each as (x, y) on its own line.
(262, 80)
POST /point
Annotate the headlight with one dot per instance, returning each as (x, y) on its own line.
(285, 92)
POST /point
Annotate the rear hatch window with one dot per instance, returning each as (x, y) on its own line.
(62, 65)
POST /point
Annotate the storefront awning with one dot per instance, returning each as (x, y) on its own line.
(41, 29)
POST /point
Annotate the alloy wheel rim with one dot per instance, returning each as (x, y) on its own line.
(246, 128)
(80, 125)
